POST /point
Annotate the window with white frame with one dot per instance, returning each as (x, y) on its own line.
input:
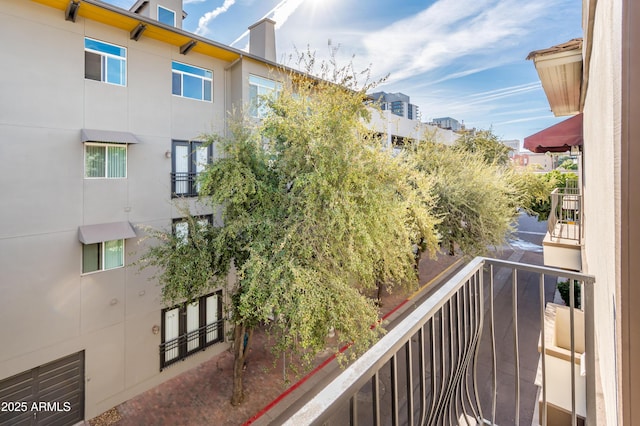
(102, 160)
(191, 327)
(166, 16)
(192, 82)
(259, 88)
(105, 62)
(188, 160)
(102, 256)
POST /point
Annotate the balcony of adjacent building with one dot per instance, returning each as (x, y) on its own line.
(487, 347)
(563, 242)
(562, 245)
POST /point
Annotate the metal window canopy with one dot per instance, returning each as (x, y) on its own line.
(109, 136)
(91, 234)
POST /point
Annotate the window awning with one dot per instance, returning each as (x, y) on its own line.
(93, 135)
(91, 234)
(557, 138)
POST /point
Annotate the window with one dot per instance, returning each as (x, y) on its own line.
(166, 16)
(188, 160)
(105, 160)
(259, 88)
(102, 256)
(191, 82)
(105, 62)
(181, 226)
(191, 327)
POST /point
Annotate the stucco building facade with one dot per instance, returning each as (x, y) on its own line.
(101, 119)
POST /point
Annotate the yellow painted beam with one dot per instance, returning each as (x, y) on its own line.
(109, 15)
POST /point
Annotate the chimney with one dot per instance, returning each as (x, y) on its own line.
(262, 39)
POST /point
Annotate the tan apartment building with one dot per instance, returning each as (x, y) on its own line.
(598, 77)
(101, 117)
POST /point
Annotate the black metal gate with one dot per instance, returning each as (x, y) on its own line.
(51, 394)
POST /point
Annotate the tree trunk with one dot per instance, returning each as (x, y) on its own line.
(452, 250)
(379, 297)
(240, 351)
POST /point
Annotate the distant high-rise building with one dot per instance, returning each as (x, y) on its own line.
(447, 123)
(397, 103)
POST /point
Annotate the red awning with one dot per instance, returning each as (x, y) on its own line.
(557, 138)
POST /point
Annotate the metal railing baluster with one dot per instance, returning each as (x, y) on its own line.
(454, 317)
(574, 420)
(409, 361)
(423, 378)
(514, 296)
(375, 398)
(543, 351)
(393, 365)
(493, 348)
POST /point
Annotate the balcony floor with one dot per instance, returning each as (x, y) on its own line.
(566, 234)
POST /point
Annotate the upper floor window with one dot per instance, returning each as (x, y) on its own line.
(260, 87)
(189, 158)
(105, 160)
(191, 82)
(166, 16)
(105, 62)
(102, 256)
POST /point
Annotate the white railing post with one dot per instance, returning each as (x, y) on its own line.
(587, 300)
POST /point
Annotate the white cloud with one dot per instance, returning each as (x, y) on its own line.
(280, 13)
(448, 31)
(205, 19)
(193, 1)
(525, 119)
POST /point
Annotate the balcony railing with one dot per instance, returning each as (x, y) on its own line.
(191, 342)
(184, 184)
(468, 355)
(565, 215)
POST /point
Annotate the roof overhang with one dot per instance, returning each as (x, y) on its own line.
(110, 136)
(91, 234)
(560, 71)
(114, 16)
(557, 138)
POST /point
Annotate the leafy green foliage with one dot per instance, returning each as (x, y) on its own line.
(475, 198)
(486, 144)
(182, 262)
(567, 163)
(564, 290)
(533, 190)
(543, 185)
(314, 213)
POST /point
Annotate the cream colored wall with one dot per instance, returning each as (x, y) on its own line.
(602, 190)
(393, 125)
(52, 308)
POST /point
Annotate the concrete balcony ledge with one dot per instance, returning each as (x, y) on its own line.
(562, 248)
(557, 336)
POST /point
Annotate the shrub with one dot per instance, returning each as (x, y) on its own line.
(563, 289)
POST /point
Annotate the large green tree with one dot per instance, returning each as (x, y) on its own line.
(538, 187)
(486, 144)
(476, 200)
(314, 214)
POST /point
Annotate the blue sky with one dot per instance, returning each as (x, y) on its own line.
(459, 58)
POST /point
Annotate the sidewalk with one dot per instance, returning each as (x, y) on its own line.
(201, 396)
